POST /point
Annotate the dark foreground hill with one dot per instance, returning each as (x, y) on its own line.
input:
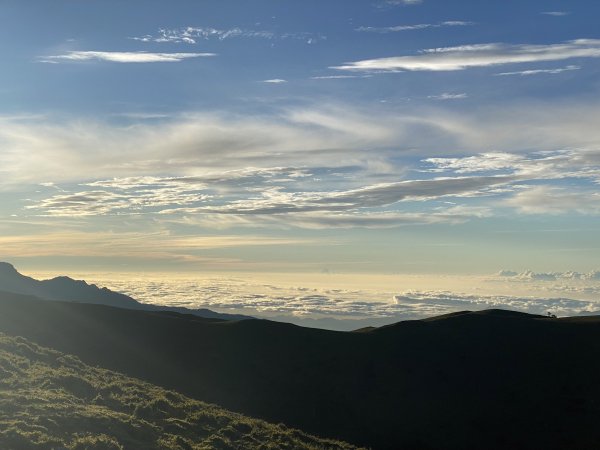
(493, 379)
(49, 400)
(68, 289)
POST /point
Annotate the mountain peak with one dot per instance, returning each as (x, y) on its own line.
(67, 289)
(7, 268)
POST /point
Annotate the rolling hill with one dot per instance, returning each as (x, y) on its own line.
(49, 400)
(492, 379)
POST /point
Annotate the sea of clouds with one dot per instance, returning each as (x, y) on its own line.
(346, 309)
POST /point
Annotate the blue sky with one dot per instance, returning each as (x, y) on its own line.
(396, 136)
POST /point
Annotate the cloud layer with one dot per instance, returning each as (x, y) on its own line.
(312, 168)
(297, 302)
(529, 275)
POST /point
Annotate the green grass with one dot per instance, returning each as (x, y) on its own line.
(49, 400)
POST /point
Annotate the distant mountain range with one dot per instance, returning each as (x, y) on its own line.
(67, 289)
(471, 380)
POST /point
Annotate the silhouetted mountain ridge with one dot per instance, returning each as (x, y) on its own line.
(67, 289)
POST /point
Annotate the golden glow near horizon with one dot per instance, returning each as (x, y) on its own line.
(406, 154)
(353, 297)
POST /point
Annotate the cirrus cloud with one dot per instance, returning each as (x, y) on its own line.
(419, 26)
(122, 57)
(478, 55)
(541, 71)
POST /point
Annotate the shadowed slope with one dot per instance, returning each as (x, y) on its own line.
(49, 400)
(471, 380)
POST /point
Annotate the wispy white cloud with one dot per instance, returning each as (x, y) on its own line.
(229, 199)
(541, 71)
(188, 144)
(549, 164)
(277, 201)
(545, 165)
(403, 2)
(336, 220)
(338, 77)
(97, 202)
(556, 200)
(556, 13)
(547, 199)
(191, 35)
(478, 55)
(420, 26)
(123, 57)
(448, 96)
(307, 167)
(142, 195)
(275, 81)
(200, 143)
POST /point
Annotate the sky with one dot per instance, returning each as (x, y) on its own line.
(318, 137)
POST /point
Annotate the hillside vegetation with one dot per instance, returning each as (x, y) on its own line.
(491, 379)
(49, 400)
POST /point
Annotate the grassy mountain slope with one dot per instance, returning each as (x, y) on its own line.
(491, 380)
(51, 400)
